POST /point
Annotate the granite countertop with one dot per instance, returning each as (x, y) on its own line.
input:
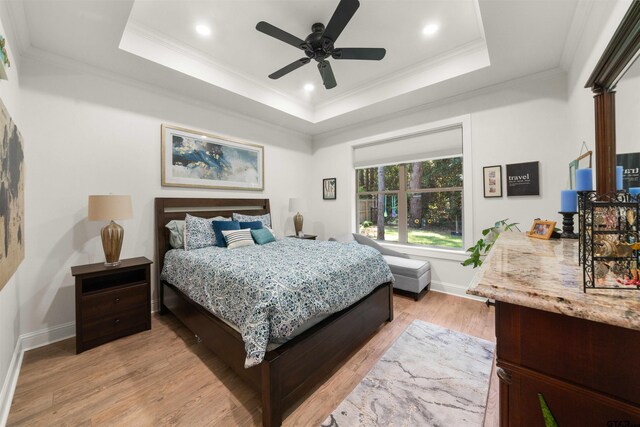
(545, 275)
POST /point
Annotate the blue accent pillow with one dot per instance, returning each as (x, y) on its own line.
(254, 225)
(262, 236)
(218, 226)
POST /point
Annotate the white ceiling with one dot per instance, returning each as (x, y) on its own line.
(480, 43)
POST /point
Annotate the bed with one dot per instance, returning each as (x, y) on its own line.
(290, 371)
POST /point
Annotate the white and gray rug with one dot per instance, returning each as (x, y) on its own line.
(431, 376)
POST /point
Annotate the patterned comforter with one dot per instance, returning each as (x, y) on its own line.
(268, 291)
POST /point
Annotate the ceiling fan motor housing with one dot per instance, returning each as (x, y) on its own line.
(318, 47)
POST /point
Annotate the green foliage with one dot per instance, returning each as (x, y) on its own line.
(549, 420)
(366, 224)
(482, 246)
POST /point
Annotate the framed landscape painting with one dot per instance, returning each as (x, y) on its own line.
(197, 159)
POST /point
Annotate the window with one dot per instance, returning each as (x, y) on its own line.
(418, 202)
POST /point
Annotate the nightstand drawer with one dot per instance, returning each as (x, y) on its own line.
(135, 320)
(107, 303)
(111, 302)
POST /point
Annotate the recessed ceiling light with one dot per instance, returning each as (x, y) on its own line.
(430, 29)
(203, 30)
(309, 87)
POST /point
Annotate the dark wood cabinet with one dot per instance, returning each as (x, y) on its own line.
(585, 370)
(111, 302)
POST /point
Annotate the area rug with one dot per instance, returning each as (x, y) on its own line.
(431, 376)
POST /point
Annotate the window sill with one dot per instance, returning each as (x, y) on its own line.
(448, 254)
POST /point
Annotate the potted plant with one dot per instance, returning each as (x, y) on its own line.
(482, 246)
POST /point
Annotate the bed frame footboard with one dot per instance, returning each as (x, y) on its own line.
(291, 371)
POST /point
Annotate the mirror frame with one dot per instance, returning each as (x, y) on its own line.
(619, 55)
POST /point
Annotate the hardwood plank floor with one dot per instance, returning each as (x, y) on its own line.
(164, 377)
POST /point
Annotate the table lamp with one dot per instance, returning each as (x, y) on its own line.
(110, 208)
(296, 205)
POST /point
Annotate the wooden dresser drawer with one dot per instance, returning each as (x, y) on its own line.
(108, 303)
(111, 301)
(135, 319)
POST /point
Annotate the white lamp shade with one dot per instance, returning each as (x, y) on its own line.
(109, 207)
(296, 204)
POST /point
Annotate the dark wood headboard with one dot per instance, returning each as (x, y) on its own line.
(167, 209)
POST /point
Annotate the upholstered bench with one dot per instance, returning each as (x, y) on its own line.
(412, 276)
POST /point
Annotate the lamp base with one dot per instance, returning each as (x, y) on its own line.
(297, 223)
(112, 237)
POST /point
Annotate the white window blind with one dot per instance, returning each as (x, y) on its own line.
(428, 145)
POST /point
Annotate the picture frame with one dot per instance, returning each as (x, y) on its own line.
(492, 181)
(523, 179)
(582, 162)
(542, 229)
(329, 187)
(198, 159)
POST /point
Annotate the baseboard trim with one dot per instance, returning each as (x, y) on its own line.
(47, 336)
(453, 289)
(26, 342)
(10, 381)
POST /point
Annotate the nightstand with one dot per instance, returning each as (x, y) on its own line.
(306, 237)
(111, 302)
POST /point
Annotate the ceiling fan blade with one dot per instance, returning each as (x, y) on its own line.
(289, 68)
(340, 19)
(275, 32)
(367, 53)
(328, 79)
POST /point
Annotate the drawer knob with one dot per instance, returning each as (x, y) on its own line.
(117, 300)
(115, 322)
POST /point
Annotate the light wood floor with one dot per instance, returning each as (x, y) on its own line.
(164, 377)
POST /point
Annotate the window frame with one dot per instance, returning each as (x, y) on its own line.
(467, 194)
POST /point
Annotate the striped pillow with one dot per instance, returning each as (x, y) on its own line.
(238, 238)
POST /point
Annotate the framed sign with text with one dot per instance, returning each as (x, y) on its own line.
(523, 179)
(631, 165)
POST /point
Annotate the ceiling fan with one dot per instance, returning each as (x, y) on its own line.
(319, 45)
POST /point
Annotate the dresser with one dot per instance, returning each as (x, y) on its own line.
(578, 350)
(111, 302)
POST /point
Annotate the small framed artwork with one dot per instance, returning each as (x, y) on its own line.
(542, 229)
(582, 162)
(492, 178)
(197, 159)
(329, 189)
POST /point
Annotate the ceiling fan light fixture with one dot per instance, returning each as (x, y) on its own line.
(430, 29)
(203, 30)
(309, 87)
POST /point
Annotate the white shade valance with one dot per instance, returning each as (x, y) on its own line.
(421, 146)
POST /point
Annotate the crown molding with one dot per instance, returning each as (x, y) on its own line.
(475, 46)
(581, 16)
(75, 66)
(542, 75)
(154, 36)
(17, 28)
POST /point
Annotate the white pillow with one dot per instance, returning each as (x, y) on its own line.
(238, 238)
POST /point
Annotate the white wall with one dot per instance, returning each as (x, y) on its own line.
(9, 302)
(519, 121)
(87, 134)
